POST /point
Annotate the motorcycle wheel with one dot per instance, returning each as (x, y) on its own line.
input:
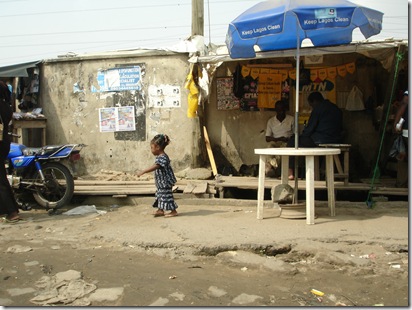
(58, 187)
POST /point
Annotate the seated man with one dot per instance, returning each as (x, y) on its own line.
(324, 126)
(279, 129)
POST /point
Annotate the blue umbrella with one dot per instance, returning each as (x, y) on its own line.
(283, 24)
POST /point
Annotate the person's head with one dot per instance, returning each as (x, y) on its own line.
(315, 98)
(280, 106)
(159, 143)
(4, 92)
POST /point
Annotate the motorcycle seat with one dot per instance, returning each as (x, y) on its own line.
(50, 149)
(45, 150)
(30, 151)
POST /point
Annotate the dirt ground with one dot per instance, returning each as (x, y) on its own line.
(215, 253)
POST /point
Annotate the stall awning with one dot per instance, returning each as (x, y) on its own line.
(19, 70)
(377, 49)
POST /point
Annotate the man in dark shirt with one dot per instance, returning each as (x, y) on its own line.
(324, 126)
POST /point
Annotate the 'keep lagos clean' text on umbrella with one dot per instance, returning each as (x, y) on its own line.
(320, 18)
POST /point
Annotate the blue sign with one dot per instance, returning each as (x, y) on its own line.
(119, 79)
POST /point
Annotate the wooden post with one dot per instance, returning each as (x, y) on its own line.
(197, 17)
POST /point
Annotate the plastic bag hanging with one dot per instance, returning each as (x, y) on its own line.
(398, 148)
(355, 100)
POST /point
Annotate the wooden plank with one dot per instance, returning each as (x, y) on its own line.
(209, 152)
(201, 188)
(94, 187)
(102, 182)
(189, 188)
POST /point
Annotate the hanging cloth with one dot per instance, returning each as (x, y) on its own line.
(193, 96)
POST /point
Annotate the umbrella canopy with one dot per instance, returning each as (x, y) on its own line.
(284, 24)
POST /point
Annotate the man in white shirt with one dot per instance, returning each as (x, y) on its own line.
(279, 129)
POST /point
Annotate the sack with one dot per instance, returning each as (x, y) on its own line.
(398, 147)
(355, 100)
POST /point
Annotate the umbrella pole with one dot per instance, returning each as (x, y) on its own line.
(295, 192)
(297, 97)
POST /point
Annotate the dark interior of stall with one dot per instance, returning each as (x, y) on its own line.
(29, 124)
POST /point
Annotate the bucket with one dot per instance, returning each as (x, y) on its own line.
(293, 211)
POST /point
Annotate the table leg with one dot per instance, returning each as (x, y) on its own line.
(346, 166)
(310, 190)
(261, 187)
(330, 184)
(285, 170)
(20, 135)
(43, 136)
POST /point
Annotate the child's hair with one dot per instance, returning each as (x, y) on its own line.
(161, 140)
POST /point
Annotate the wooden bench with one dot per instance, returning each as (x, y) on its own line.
(342, 171)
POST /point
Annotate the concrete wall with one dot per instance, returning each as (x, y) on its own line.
(234, 134)
(73, 116)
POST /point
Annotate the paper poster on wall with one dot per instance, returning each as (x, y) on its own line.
(107, 119)
(226, 100)
(117, 119)
(269, 89)
(120, 79)
(250, 96)
(164, 96)
(126, 120)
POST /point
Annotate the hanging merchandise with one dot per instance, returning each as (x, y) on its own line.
(193, 96)
(342, 70)
(238, 82)
(355, 100)
(304, 75)
(350, 67)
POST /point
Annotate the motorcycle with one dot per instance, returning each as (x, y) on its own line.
(41, 173)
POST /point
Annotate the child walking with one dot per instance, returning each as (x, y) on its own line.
(164, 177)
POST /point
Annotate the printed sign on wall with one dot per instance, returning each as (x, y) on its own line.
(226, 100)
(117, 119)
(164, 96)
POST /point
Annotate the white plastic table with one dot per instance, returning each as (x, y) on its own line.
(309, 154)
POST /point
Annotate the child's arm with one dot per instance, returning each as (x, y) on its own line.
(150, 169)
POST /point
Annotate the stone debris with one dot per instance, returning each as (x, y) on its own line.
(63, 288)
(216, 292)
(177, 296)
(32, 263)
(19, 249)
(243, 299)
(106, 294)
(160, 302)
(69, 288)
(20, 291)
